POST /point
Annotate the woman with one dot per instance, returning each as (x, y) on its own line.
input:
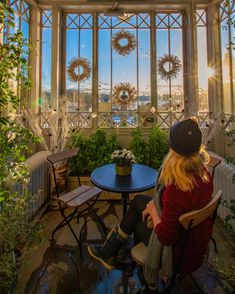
(184, 184)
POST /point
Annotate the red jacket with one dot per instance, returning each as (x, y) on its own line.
(170, 232)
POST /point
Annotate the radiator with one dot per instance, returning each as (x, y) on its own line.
(39, 181)
(224, 180)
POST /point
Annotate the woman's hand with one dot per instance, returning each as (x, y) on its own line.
(150, 215)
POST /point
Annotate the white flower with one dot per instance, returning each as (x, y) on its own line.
(123, 157)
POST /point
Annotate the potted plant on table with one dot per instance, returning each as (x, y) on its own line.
(123, 159)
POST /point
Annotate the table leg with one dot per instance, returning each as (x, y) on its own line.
(125, 198)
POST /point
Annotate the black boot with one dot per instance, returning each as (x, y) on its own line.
(106, 254)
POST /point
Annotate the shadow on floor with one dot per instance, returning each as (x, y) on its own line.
(61, 267)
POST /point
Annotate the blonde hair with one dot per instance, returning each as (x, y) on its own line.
(181, 170)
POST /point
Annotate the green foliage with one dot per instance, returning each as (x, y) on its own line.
(12, 158)
(226, 268)
(97, 149)
(230, 217)
(152, 152)
(80, 141)
(93, 151)
(16, 236)
(139, 147)
(11, 57)
(231, 204)
(15, 140)
(158, 146)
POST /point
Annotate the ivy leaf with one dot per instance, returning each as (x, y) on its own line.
(4, 121)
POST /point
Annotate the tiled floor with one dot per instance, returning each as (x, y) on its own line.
(59, 269)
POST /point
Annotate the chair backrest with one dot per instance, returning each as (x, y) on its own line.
(63, 155)
(60, 157)
(191, 219)
(214, 161)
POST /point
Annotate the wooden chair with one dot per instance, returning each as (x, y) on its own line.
(188, 221)
(80, 196)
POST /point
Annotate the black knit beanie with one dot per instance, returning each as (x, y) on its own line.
(185, 137)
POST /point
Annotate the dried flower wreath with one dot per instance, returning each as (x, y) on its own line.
(126, 49)
(76, 63)
(124, 94)
(174, 66)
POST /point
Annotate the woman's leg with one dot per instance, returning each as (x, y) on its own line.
(107, 253)
(132, 221)
(134, 214)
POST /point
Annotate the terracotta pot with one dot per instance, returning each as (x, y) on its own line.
(123, 170)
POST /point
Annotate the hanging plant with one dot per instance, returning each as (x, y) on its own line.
(124, 94)
(168, 66)
(124, 49)
(79, 63)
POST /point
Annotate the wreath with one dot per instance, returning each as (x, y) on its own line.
(172, 62)
(124, 49)
(124, 94)
(76, 63)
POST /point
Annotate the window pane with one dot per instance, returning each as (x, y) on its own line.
(170, 89)
(162, 48)
(144, 71)
(71, 51)
(46, 21)
(225, 67)
(104, 70)
(203, 71)
(177, 84)
(227, 12)
(79, 51)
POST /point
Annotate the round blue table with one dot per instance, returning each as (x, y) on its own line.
(141, 179)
